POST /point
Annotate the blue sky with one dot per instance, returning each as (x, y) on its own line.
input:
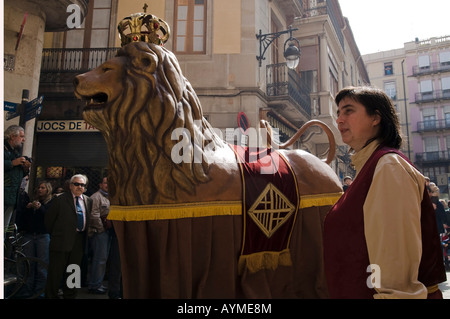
(387, 24)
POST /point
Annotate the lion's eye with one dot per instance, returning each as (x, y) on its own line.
(106, 69)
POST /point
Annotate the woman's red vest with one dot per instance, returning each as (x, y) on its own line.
(345, 250)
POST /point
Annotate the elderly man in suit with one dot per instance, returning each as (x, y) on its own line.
(67, 222)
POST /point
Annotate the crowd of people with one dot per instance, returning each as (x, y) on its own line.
(442, 209)
(53, 233)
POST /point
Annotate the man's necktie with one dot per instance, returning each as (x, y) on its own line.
(80, 218)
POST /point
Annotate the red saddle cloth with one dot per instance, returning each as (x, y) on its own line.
(270, 205)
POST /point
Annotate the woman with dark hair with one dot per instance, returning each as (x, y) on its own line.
(380, 238)
(36, 235)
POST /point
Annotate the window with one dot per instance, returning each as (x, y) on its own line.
(310, 79)
(444, 58)
(429, 171)
(426, 88)
(447, 117)
(431, 148)
(352, 75)
(445, 85)
(388, 68)
(431, 144)
(429, 118)
(424, 62)
(94, 33)
(391, 90)
(190, 26)
(95, 29)
(333, 84)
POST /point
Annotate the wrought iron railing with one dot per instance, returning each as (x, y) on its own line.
(69, 60)
(283, 82)
(432, 96)
(433, 125)
(433, 157)
(432, 68)
(61, 65)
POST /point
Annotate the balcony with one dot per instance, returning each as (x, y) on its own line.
(61, 65)
(329, 8)
(433, 125)
(433, 157)
(292, 8)
(431, 69)
(285, 83)
(432, 96)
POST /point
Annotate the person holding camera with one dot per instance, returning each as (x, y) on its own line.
(16, 167)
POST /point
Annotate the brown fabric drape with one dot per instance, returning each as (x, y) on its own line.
(198, 258)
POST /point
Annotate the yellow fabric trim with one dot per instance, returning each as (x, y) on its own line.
(174, 211)
(319, 200)
(264, 260)
(433, 289)
(202, 209)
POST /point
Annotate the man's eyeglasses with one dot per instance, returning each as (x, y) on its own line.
(79, 184)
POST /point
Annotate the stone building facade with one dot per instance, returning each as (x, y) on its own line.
(217, 47)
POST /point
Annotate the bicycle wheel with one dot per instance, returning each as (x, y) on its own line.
(15, 274)
(35, 263)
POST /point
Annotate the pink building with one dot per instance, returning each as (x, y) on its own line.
(428, 87)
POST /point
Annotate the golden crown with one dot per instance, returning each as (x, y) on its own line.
(143, 27)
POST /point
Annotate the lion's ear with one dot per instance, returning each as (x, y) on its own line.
(145, 61)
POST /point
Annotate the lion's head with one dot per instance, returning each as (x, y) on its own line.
(136, 100)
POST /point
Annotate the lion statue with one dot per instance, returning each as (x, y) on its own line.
(181, 225)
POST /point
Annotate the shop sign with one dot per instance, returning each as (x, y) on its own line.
(65, 126)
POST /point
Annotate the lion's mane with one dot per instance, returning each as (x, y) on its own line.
(138, 126)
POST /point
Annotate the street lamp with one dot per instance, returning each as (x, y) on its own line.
(291, 54)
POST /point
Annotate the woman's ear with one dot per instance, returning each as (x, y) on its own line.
(376, 119)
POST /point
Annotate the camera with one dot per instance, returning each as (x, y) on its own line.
(29, 159)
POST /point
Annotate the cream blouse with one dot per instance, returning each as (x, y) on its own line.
(392, 224)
